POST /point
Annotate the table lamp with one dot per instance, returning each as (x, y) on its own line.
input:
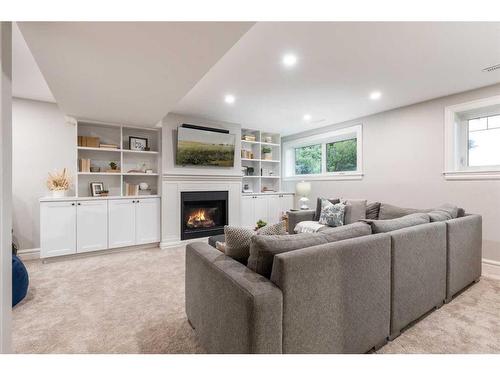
(303, 189)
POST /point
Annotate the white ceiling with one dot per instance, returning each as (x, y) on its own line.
(27, 80)
(339, 64)
(126, 72)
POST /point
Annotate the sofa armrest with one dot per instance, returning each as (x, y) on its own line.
(295, 217)
(336, 296)
(464, 252)
(232, 308)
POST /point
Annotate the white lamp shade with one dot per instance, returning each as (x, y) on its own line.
(303, 188)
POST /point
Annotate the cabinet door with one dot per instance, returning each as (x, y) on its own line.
(147, 220)
(273, 209)
(92, 226)
(260, 205)
(247, 211)
(121, 222)
(57, 228)
(286, 203)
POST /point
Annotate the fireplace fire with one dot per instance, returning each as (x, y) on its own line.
(203, 213)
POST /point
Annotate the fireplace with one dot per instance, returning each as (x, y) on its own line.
(203, 213)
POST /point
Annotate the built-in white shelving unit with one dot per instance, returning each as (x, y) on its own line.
(266, 166)
(127, 160)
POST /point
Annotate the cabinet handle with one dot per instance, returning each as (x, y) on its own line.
(133, 201)
(72, 204)
(79, 204)
(137, 202)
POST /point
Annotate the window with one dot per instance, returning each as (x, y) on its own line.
(330, 155)
(484, 141)
(472, 140)
(308, 159)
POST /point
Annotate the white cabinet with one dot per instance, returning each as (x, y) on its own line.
(147, 221)
(57, 228)
(121, 219)
(69, 227)
(267, 207)
(92, 226)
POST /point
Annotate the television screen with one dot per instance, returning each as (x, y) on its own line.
(204, 147)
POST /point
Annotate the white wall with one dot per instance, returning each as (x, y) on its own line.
(42, 142)
(170, 124)
(5, 185)
(403, 157)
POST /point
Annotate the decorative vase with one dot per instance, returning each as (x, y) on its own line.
(58, 193)
(268, 156)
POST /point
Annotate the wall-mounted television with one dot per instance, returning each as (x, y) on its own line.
(202, 146)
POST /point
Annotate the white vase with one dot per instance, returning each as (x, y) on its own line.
(58, 193)
(268, 156)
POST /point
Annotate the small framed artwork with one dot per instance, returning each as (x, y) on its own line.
(96, 188)
(138, 143)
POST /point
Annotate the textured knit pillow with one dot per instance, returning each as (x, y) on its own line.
(332, 214)
(238, 242)
(273, 229)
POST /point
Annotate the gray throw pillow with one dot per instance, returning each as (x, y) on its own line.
(264, 248)
(372, 210)
(444, 212)
(355, 210)
(332, 214)
(318, 207)
(382, 226)
(388, 211)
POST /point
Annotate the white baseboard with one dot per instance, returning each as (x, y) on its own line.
(491, 268)
(168, 244)
(29, 254)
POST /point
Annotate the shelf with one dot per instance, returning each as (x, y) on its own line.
(100, 173)
(261, 143)
(270, 161)
(141, 152)
(251, 176)
(250, 142)
(99, 149)
(270, 176)
(140, 174)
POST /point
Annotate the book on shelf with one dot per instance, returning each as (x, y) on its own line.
(131, 189)
(84, 165)
(104, 145)
(88, 141)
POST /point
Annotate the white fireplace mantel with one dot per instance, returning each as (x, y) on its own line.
(172, 187)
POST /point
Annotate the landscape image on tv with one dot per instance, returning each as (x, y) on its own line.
(204, 148)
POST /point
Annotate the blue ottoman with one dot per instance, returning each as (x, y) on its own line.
(20, 280)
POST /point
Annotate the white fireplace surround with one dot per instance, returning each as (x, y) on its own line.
(172, 187)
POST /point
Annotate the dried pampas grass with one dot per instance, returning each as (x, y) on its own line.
(59, 180)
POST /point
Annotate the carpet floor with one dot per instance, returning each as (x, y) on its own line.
(133, 302)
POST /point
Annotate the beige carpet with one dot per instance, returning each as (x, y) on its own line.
(133, 302)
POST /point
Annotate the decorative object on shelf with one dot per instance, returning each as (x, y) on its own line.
(246, 154)
(303, 189)
(135, 171)
(248, 137)
(267, 153)
(114, 167)
(268, 139)
(104, 193)
(246, 189)
(84, 165)
(88, 141)
(267, 189)
(143, 186)
(95, 169)
(149, 171)
(111, 146)
(58, 183)
(147, 149)
(96, 188)
(137, 143)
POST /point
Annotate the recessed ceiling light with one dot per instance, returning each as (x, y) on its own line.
(289, 60)
(229, 99)
(375, 95)
(307, 117)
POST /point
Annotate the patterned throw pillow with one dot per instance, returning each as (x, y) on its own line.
(274, 229)
(332, 214)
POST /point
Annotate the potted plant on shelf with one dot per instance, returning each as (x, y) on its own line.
(58, 183)
(114, 167)
(267, 153)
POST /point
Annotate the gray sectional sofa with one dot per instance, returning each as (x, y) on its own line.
(342, 290)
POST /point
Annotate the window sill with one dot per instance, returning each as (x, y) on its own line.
(472, 175)
(341, 177)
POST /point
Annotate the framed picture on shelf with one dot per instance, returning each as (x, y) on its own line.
(138, 143)
(96, 188)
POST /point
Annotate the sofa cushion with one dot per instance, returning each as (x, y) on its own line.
(318, 207)
(309, 227)
(443, 213)
(355, 210)
(238, 239)
(382, 226)
(372, 210)
(332, 214)
(388, 211)
(264, 248)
